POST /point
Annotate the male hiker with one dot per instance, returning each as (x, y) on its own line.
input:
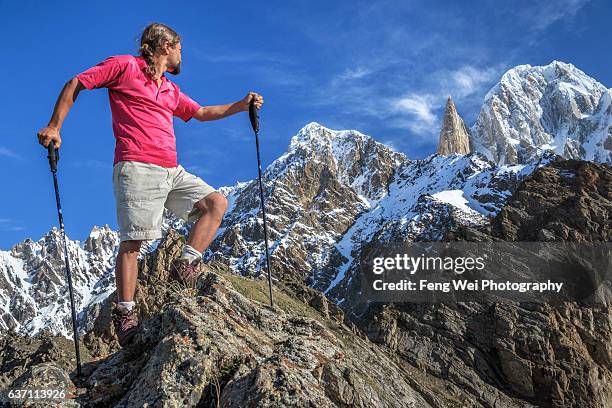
(146, 175)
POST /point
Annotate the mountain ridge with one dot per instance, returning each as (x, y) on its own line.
(324, 183)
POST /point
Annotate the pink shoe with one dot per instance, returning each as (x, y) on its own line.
(185, 272)
(126, 326)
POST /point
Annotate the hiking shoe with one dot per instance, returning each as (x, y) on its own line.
(185, 272)
(126, 326)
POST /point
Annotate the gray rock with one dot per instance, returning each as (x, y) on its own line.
(454, 135)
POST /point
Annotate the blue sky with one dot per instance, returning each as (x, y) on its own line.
(384, 68)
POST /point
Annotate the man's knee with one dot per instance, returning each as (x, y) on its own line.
(215, 201)
(130, 246)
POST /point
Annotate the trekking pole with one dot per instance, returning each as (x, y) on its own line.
(53, 159)
(254, 117)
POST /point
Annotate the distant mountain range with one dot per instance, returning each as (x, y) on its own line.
(531, 110)
(534, 167)
(332, 192)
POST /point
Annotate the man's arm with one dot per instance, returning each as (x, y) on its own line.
(206, 113)
(215, 112)
(64, 102)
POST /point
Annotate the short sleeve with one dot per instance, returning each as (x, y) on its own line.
(106, 74)
(186, 107)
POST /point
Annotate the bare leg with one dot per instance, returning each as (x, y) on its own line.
(213, 207)
(126, 270)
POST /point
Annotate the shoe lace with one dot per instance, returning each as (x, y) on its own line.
(189, 270)
(126, 320)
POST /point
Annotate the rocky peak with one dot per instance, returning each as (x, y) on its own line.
(538, 108)
(353, 156)
(454, 135)
(100, 240)
(313, 193)
(218, 345)
(33, 279)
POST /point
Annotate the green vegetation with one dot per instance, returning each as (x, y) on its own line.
(257, 290)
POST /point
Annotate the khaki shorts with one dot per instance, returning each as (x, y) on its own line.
(142, 190)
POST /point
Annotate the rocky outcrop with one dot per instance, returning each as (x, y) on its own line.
(569, 200)
(221, 345)
(454, 135)
(545, 355)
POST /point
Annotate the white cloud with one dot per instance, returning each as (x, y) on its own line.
(391, 144)
(419, 106)
(9, 153)
(5, 227)
(468, 80)
(415, 110)
(540, 15)
(196, 169)
(419, 112)
(354, 73)
(415, 126)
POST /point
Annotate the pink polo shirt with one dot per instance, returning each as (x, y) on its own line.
(142, 111)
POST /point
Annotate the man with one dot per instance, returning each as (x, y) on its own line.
(146, 175)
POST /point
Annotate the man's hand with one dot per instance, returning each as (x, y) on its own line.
(246, 101)
(221, 111)
(46, 134)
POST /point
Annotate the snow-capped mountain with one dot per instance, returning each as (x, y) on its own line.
(329, 194)
(33, 287)
(536, 108)
(334, 191)
(313, 194)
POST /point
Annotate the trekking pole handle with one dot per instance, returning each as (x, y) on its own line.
(53, 155)
(254, 116)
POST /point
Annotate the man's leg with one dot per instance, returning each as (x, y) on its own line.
(125, 318)
(193, 200)
(213, 207)
(126, 270)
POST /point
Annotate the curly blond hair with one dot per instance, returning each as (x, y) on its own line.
(153, 37)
